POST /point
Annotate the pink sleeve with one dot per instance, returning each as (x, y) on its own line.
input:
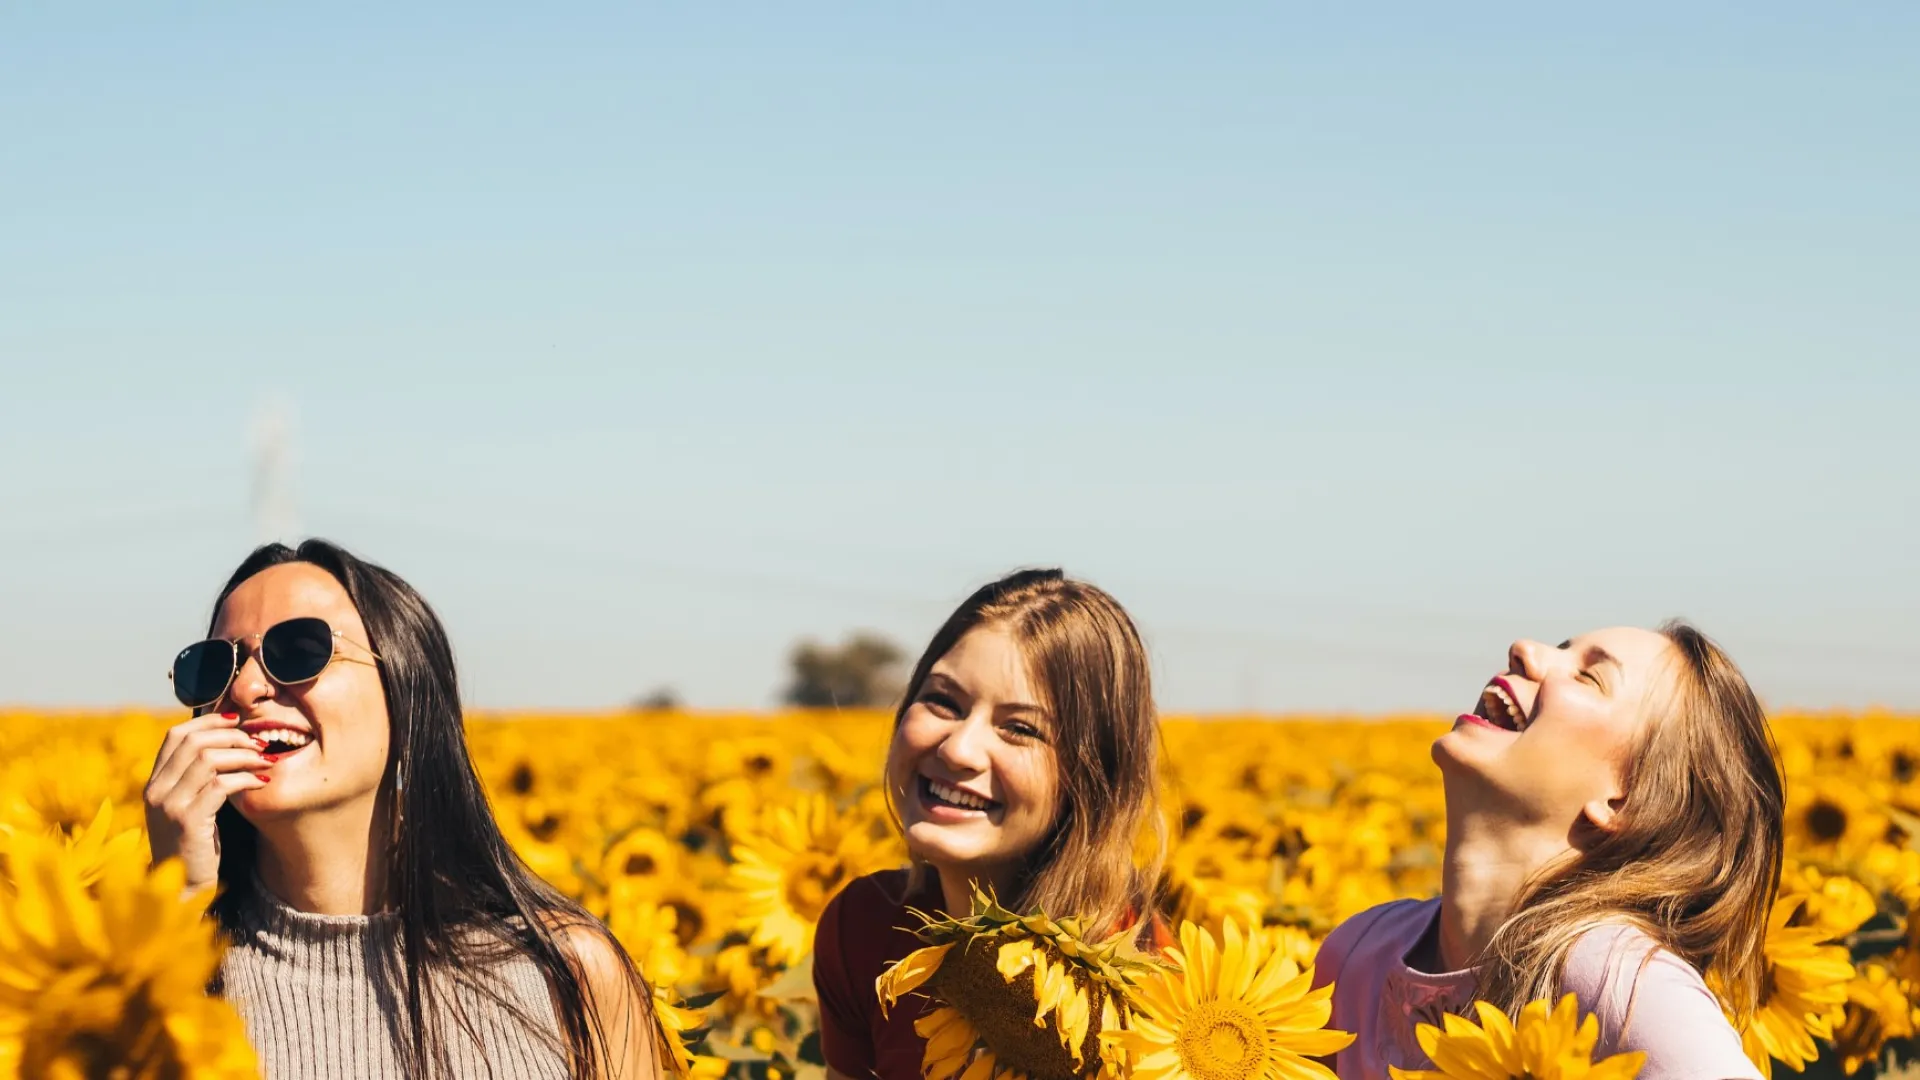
(1331, 958)
(1649, 999)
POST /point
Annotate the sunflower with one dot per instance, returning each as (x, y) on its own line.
(1544, 1045)
(1292, 942)
(61, 785)
(1878, 1011)
(1240, 1011)
(673, 1021)
(1023, 996)
(1204, 883)
(650, 934)
(112, 981)
(89, 848)
(643, 866)
(1804, 995)
(1830, 813)
(1835, 903)
(789, 868)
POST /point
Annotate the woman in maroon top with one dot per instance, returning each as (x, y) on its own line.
(1023, 760)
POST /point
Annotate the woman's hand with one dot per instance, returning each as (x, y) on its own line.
(201, 762)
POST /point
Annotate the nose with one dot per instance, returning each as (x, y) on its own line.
(964, 750)
(1526, 658)
(250, 685)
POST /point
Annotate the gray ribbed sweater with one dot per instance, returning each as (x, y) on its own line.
(316, 1007)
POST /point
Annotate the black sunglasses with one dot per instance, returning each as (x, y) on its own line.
(291, 653)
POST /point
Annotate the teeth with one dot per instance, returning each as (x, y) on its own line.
(1497, 697)
(286, 736)
(955, 796)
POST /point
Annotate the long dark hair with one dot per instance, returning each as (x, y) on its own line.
(460, 894)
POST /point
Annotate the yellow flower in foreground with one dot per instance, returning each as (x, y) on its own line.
(59, 784)
(787, 871)
(1025, 996)
(673, 1021)
(1806, 991)
(1545, 1045)
(1240, 1011)
(110, 982)
(89, 848)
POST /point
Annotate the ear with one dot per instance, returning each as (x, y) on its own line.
(1602, 815)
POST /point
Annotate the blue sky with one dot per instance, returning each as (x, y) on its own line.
(1343, 346)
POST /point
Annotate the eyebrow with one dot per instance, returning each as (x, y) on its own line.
(953, 684)
(1008, 708)
(1594, 656)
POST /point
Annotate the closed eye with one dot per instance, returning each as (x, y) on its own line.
(941, 704)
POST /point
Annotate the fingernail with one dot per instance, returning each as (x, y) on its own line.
(270, 757)
(264, 778)
(229, 716)
(261, 743)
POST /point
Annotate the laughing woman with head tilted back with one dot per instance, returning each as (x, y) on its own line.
(1614, 831)
(381, 926)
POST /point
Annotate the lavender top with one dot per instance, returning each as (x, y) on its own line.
(1646, 998)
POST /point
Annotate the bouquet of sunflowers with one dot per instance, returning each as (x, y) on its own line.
(1028, 997)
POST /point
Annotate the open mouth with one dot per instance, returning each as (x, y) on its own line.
(1497, 707)
(933, 793)
(282, 741)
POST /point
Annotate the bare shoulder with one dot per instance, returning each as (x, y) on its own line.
(630, 1044)
(600, 959)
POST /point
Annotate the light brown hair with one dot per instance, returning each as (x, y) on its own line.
(1089, 669)
(1694, 860)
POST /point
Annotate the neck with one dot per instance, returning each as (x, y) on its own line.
(957, 884)
(326, 864)
(1489, 860)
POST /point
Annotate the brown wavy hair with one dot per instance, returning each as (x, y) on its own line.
(1695, 860)
(1089, 669)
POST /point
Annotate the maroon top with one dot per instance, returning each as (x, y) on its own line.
(863, 931)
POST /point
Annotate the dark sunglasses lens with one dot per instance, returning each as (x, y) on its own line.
(297, 650)
(201, 672)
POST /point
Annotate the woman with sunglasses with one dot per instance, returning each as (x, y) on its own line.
(381, 926)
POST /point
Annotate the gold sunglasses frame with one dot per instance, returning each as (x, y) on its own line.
(240, 658)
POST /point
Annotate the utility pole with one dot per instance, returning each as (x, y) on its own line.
(274, 517)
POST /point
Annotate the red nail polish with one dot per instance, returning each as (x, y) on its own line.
(261, 743)
(270, 757)
(264, 778)
(229, 716)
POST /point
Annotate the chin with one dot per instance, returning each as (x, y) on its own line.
(1446, 749)
(1458, 752)
(938, 845)
(259, 805)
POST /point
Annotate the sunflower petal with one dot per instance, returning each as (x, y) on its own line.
(908, 975)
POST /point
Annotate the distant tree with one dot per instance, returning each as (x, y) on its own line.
(862, 672)
(663, 699)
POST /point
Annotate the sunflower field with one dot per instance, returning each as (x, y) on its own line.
(709, 844)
